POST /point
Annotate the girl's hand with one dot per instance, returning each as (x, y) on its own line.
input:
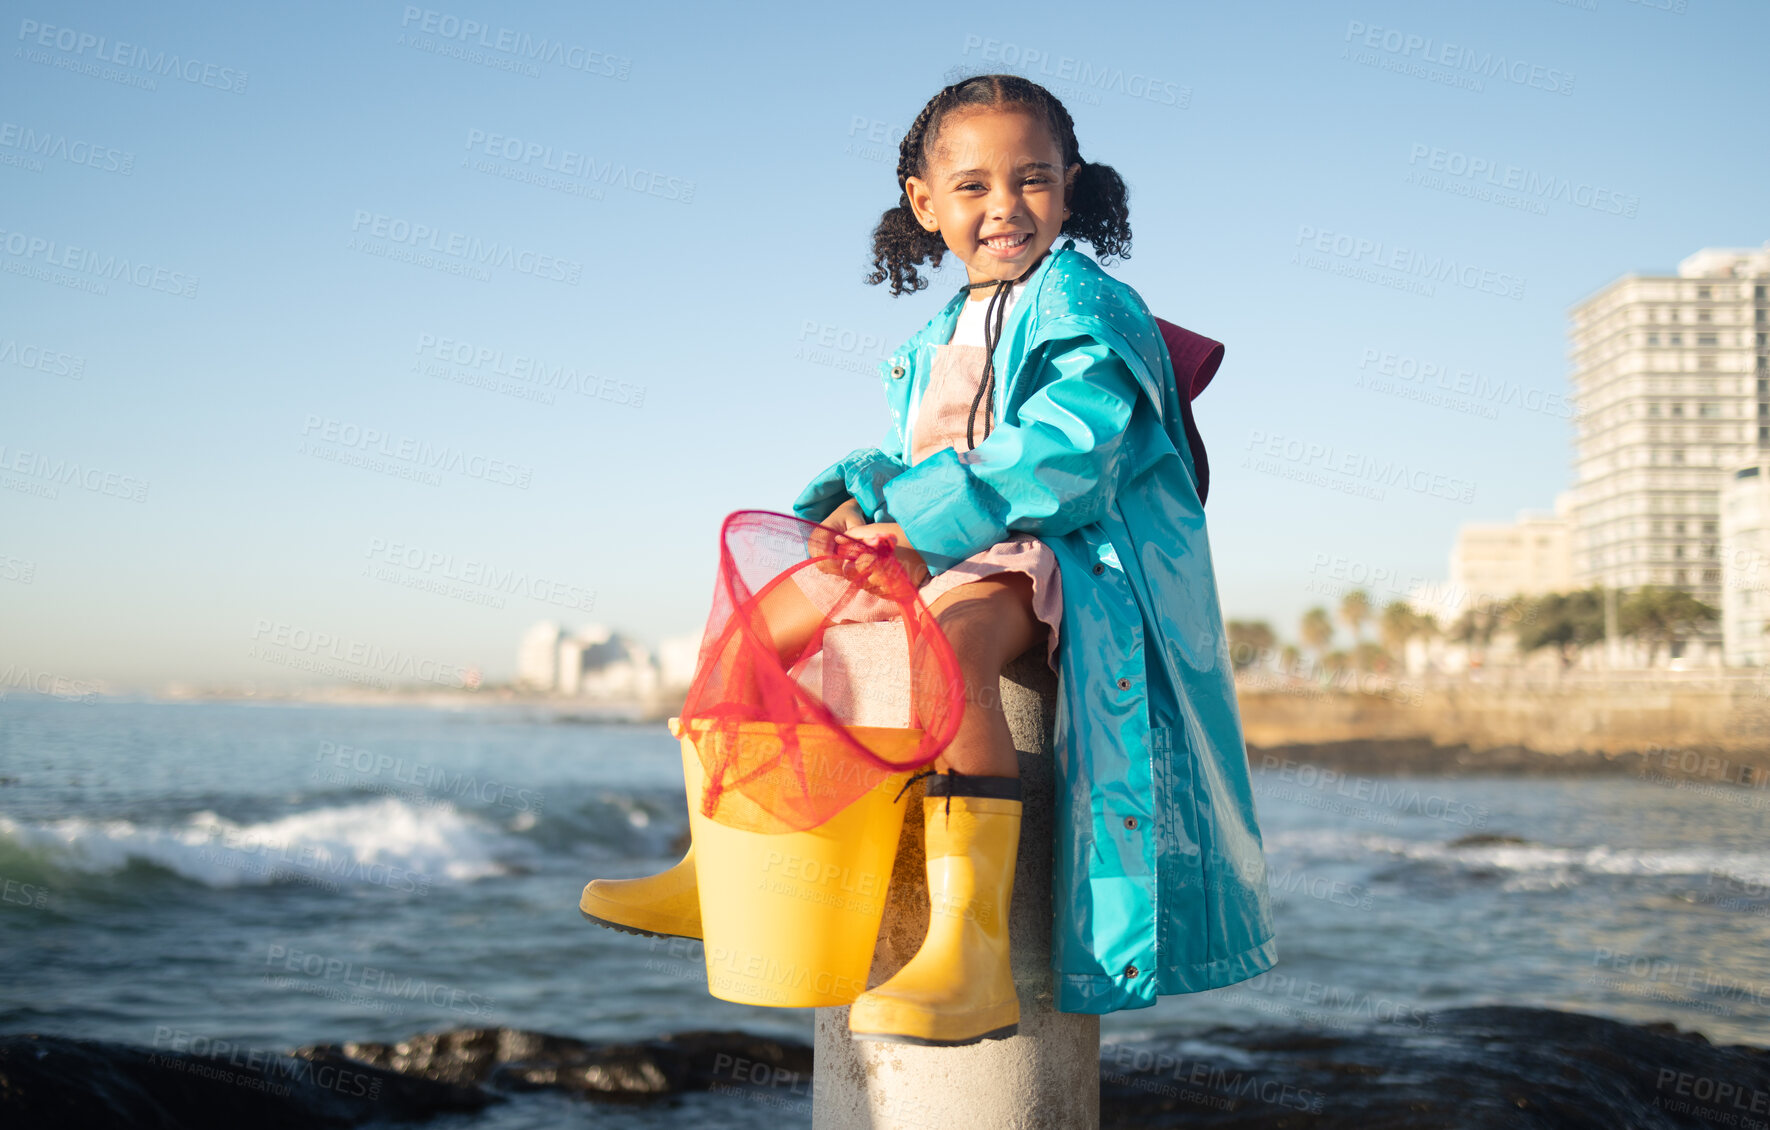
(842, 519)
(889, 534)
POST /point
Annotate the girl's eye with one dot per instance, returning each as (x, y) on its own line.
(1035, 178)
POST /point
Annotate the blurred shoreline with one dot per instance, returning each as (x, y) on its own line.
(1659, 725)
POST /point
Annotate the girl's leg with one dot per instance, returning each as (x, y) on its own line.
(989, 623)
(790, 617)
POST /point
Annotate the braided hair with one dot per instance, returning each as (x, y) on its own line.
(1099, 210)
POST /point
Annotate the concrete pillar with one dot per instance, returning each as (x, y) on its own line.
(1047, 1076)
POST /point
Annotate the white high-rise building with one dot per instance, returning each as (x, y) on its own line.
(1745, 565)
(1671, 377)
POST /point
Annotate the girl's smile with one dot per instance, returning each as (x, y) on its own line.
(995, 192)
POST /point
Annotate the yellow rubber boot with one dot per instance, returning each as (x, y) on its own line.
(958, 989)
(666, 905)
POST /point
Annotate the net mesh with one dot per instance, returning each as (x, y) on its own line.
(776, 758)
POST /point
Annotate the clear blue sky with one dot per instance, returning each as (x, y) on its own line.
(274, 137)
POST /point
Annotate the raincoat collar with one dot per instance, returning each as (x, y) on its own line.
(941, 329)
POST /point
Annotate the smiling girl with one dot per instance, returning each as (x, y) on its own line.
(1037, 483)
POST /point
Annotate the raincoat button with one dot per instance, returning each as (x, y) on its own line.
(1130, 821)
(897, 372)
(1124, 684)
(1099, 568)
(1130, 971)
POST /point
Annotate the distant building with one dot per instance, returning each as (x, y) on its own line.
(1672, 377)
(677, 656)
(572, 652)
(537, 657)
(1745, 565)
(1531, 556)
(592, 662)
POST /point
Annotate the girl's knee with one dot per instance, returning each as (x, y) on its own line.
(987, 622)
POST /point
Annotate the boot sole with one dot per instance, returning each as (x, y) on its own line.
(634, 930)
(919, 1041)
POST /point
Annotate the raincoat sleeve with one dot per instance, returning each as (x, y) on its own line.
(1055, 469)
(860, 475)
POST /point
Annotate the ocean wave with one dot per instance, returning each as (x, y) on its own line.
(388, 843)
(1532, 861)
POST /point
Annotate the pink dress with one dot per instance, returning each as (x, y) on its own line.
(940, 423)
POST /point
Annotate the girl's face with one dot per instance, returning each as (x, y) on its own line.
(995, 191)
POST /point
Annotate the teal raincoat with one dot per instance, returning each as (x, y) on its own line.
(1160, 877)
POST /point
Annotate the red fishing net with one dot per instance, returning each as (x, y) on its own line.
(777, 758)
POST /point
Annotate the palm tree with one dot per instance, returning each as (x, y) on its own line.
(1288, 658)
(1476, 626)
(1317, 630)
(1249, 642)
(1355, 609)
(1564, 621)
(1661, 615)
(1399, 624)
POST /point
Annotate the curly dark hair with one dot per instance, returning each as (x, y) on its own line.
(1099, 208)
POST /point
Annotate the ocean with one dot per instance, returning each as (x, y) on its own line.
(276, 875)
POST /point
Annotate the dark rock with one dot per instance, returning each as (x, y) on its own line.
(511, 1060)
(1463, 1069)
(52, 1081)
(1485, 839)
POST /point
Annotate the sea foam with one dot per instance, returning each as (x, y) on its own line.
(387, 843)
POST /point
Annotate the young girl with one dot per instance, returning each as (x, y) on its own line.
(1038, 442)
